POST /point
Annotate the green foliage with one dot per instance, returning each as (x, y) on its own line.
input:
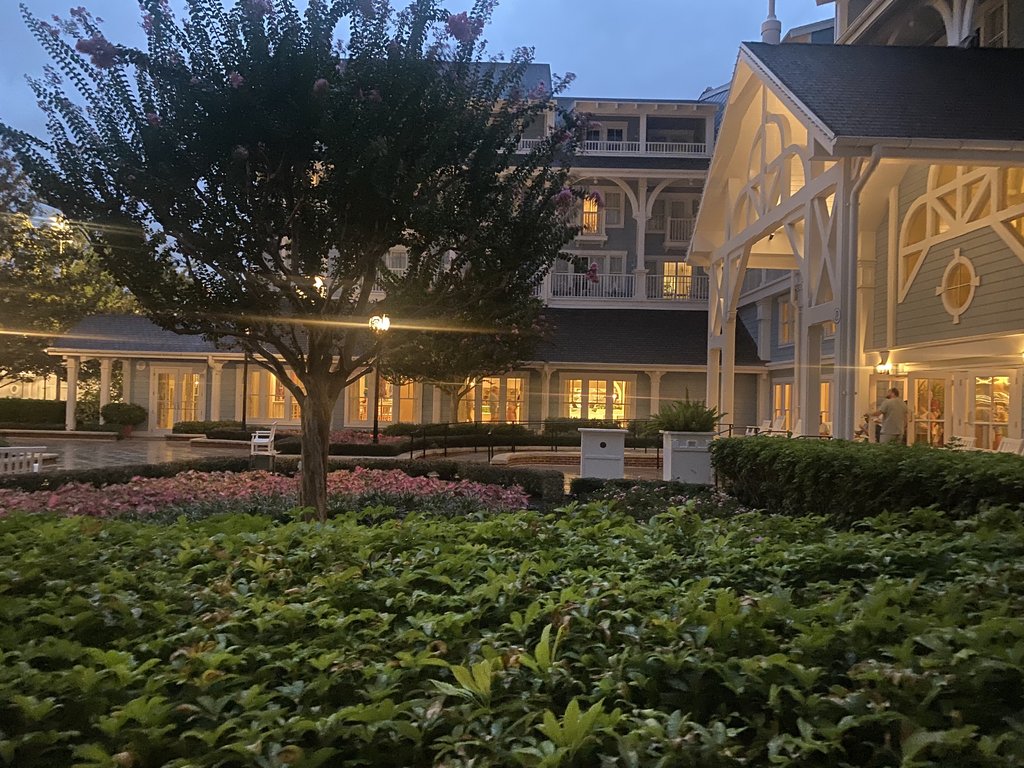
(15, 411)
(850, 481)
(576, 639)
(246, 176)
(202, 427)
(685, 416)
(464, 428)
(642, 499)
(125, 414)
(124, 474)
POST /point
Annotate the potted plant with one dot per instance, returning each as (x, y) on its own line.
(687, 428)
(125, 415)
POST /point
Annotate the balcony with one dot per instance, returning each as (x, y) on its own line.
(679, 231)
(633, 289)
(632, 148)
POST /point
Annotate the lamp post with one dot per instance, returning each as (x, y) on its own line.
(379, 324)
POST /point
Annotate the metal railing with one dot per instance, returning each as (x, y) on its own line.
(676, 148)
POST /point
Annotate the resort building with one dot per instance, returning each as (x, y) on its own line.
(866, 224)
(629, 314)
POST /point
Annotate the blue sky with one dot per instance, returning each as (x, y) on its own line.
(669, 49)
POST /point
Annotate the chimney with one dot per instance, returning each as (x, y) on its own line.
(771, 30)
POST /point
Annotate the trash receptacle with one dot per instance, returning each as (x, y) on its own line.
(603, 453)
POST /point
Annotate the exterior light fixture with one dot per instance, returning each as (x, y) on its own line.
(379, 324)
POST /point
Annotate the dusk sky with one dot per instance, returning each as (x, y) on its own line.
(670, 49)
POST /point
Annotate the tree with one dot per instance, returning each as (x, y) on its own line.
(49, 277)
(246, 176)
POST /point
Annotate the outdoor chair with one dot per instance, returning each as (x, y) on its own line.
(778, 427)
(765, 427)
(262, 442)
(962, 443)
(1011, 445)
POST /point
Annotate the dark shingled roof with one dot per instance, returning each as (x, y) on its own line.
(640, 337)
(129, 333)
(867, 91)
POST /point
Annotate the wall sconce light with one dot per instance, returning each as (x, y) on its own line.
(884, 367)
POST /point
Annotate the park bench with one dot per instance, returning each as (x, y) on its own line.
(21, 458)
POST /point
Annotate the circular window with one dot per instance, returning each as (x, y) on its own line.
(959, 282)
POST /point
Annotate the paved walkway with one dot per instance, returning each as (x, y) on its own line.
(96, 454)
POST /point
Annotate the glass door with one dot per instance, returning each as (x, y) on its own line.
(176, 394)
(928, 411)
(991, 412)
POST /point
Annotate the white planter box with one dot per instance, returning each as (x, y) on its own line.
(687, 457)
(603, 453)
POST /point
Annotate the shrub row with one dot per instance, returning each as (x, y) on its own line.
(849, 481)
(48, 427)
(16, 410)
(467, 428)
(202, 427)
(116, 475)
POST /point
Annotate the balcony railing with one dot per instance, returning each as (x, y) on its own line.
(678, 287)
(671, 148)
(679, 231)
(600, 287)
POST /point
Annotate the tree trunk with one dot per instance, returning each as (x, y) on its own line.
(316, 439)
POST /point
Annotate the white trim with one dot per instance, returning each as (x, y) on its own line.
(943, 289)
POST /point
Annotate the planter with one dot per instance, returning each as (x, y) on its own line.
(602, 453)
(687, 457)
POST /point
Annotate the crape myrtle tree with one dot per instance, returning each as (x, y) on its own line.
(49, 277)
(245, 174)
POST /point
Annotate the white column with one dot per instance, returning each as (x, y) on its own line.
(640, 284)
(727, 403)
(714, 387)
(808, 374)
(126, 380)
(655, 377)
(105, 366)
(73, 364)
(643, 133)
(764, 398)
(216, 369)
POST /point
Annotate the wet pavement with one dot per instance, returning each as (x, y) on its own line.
(97, 454)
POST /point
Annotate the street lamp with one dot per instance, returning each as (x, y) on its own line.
(379, 324)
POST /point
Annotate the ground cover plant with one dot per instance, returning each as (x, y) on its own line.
(582, 638)
(195, 493)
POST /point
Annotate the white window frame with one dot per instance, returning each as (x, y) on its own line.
(629, 407)
(477, 394)
(621, 207)
(785, 307)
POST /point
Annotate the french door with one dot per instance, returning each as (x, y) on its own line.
(176, 394)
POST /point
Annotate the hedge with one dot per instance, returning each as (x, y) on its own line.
(116, 475)
(17, 410)
(292, 446)
(202, 427)
(850, 481)
(403, 429)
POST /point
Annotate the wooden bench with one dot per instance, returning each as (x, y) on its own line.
(20, 459)
(1010, 445)
(262, 442)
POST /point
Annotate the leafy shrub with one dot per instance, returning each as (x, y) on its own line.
(462, 428)
(685, 416)
(850, 481)
(114, 475)
(292, 446)
(582, 638)
(18, 411)
(125, 414)
(202, 427)
(54, 427)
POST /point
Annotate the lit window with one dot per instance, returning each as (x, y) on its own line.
(591, 220)
(782, 403)
(787, 325)
(677, 279)
(494, 399)
(602, 399)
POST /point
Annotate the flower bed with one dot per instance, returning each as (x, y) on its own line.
(254, 492)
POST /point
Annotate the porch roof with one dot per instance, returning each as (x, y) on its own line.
(895, 92)
(643, 338)
(128, 333)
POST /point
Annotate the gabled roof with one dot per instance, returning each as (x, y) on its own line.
(637, 337)
(893, 92)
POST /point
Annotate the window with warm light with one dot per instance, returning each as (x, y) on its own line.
(677, 278)
(495, 399)
(590, 221)
(782, 403)
(360, 405)
(787, 321)
(597, 398)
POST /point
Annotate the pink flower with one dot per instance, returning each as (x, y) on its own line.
(80, 13)
(592, 273)
(235, 80)
(565, 199)
(101, 51)
(321, 87)
(463, 28)
(153, 119)
(597, 197)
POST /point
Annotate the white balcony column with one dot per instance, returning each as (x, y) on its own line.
(216, 369)
(726, 404)
(545, 288)
(655, 377)
(640, 284)
(643, 133)
(126, 380)
(808, 372)
(105, 367)
(435, 405)
(73, 364)
(545, 393)
(764, 398)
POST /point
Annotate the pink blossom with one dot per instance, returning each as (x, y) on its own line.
(101, 51)
(235, 80)
(565, 199)
(153, 119)
(592, 272)
(539, 91)
(597, 197)
(463, 28)
(321, 87)
(51, 30)
(80, 13)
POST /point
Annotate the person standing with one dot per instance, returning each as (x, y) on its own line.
(894, 417)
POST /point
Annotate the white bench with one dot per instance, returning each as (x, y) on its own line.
(262, 442)
(18, 459)
(1010, 445)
